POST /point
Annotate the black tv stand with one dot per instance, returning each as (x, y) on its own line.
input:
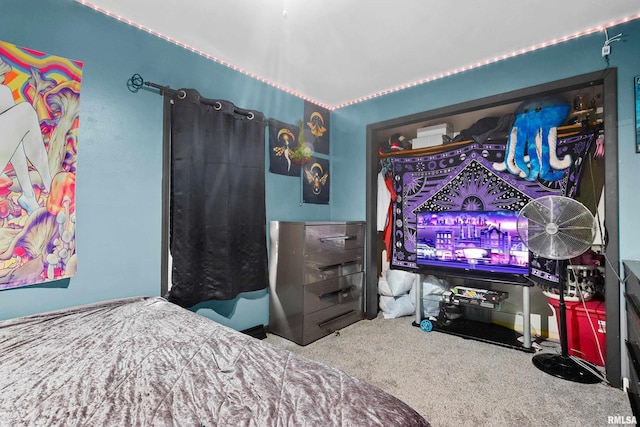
(483, 331)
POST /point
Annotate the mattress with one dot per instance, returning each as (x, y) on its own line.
(147, 362)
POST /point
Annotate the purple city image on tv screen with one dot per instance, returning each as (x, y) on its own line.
(485, 241)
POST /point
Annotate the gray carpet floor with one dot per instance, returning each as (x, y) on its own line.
(453, 381)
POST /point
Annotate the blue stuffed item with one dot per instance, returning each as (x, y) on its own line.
(531, 147)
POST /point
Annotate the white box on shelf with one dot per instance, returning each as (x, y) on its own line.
(426, 141)
(440, 129)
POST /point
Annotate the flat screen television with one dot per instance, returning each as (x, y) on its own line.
(481, 243)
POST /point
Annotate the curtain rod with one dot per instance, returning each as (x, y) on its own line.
(136, 82)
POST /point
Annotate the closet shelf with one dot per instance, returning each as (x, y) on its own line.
(563, 131)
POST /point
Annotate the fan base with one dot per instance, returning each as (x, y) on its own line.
(566, 368)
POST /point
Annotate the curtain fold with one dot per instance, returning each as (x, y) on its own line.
(217, 210)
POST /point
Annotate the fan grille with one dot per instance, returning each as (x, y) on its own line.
(556, 227)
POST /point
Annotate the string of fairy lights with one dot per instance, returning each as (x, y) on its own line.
(555, 41)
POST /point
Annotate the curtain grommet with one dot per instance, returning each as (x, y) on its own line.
(250, 115)
(182, 94)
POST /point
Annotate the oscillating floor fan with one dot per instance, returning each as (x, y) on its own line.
(559, 228)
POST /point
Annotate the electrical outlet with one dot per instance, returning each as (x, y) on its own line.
(606, 50)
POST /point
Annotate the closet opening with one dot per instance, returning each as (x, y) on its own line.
(602, 84)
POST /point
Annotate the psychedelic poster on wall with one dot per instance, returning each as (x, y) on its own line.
(39, 115)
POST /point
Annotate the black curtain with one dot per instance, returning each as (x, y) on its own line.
(217, 210)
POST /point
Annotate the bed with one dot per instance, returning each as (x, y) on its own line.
(147, 362)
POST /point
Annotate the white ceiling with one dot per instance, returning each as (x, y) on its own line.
(335, 52)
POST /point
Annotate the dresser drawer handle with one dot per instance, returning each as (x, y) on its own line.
(331, 238)
(340, 264)
(330, 295)
(334, 318)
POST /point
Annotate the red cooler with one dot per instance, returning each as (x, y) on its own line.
(580, 336)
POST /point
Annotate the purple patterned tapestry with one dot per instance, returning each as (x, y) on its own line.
(467, 178)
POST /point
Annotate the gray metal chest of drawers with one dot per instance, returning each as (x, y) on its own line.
(316, 275)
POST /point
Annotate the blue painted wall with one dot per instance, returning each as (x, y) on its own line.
(120, 143)
(120, 153)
